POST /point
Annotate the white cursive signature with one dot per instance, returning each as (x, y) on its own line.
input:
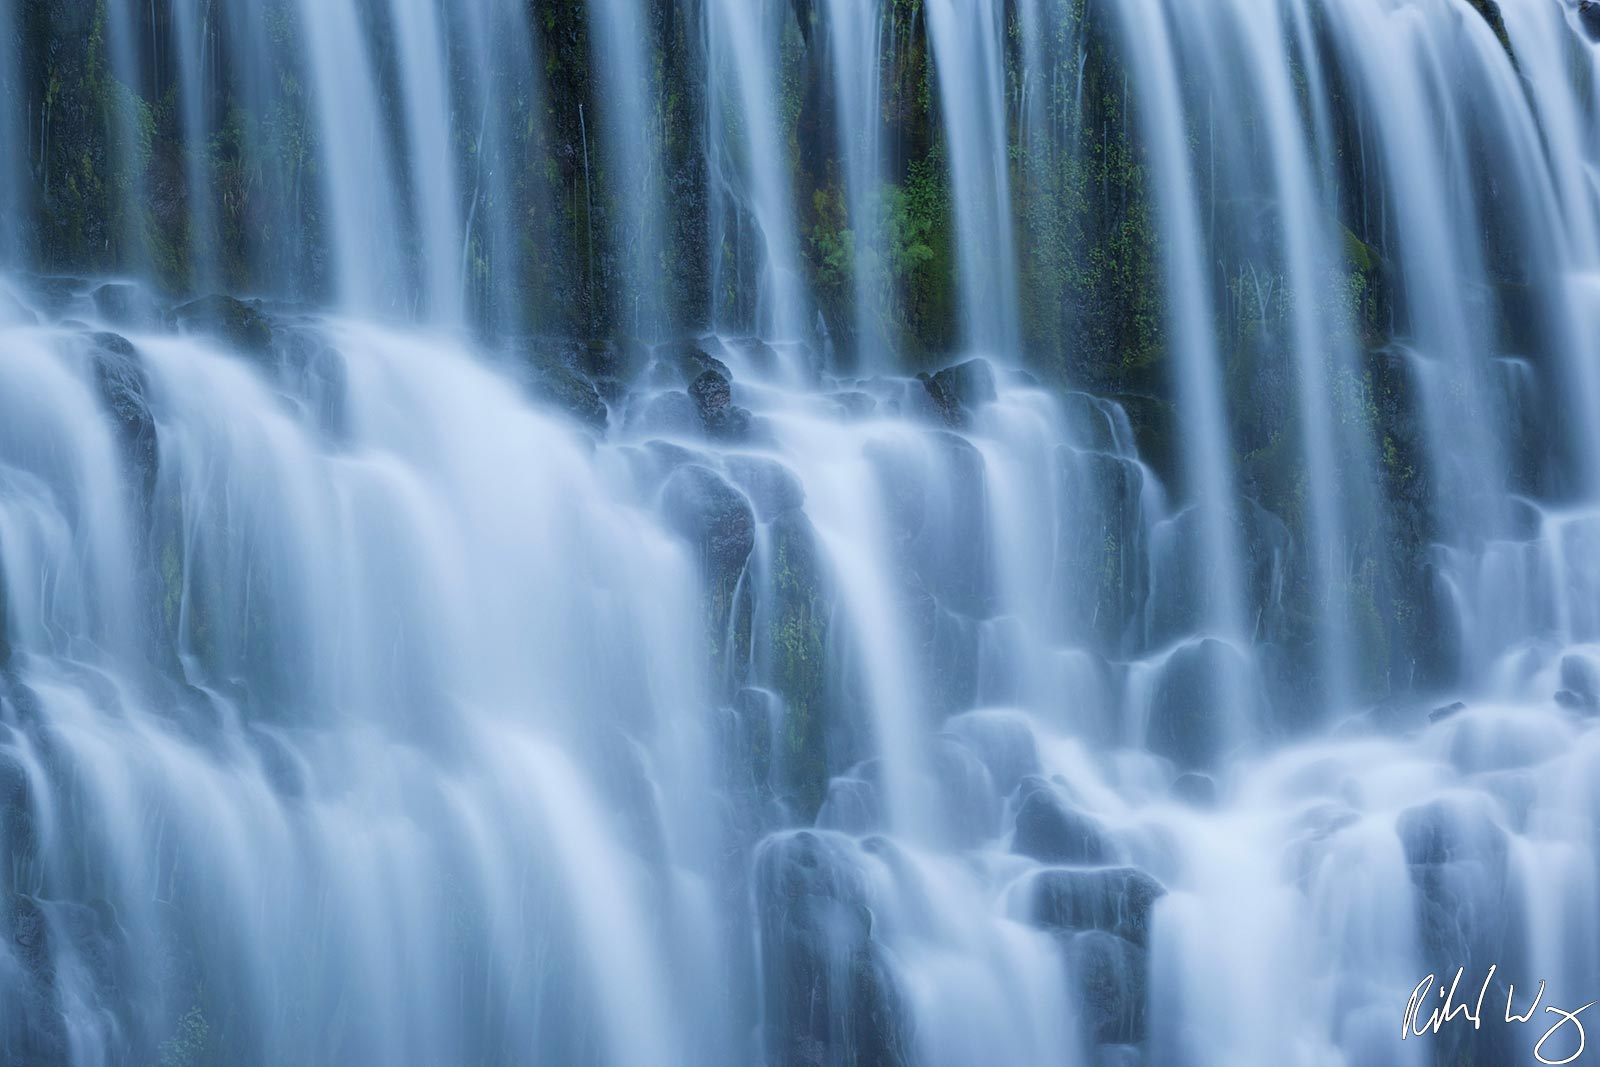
(1413, 1025)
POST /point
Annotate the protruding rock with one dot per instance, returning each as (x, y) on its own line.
(120, 381)
(713, 516)
(771, 487)
(1192, 787)
(1110, 976)
(825, 980)
(1190, 707)
(1589, 18)
(688, 360)
(710, 392)
(235, 321)
(959, 390)
(713, 401)
(1116, 900)
(572, 393)
(1581, 678)
(1003, 740)
(124, 304)
(1052, 831)
(671, 413)
(1446, 711)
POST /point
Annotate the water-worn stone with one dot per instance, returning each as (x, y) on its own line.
(830, 997)
(959, 390)
(1051, 831)
(1116, 900)
(224, 317)
(123, 389)
(572, 393)
(1188, 708)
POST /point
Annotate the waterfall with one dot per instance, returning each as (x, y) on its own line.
(619, 31)
(858, 31)
(459, 606)
(966, 40)
(743, 51)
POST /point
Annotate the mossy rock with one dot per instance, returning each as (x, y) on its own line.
(240, 323)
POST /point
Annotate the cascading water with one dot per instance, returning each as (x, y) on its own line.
(967, 44)
(1174, 636)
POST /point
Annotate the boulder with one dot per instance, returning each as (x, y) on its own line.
(830, 996)
(1196, 789)
(772, 488)
(124, 304)
(235, 321)
(687, 360)
(1051, 831)
(1003, 740)
(1446, 711)
(1589, 18)
(671, 413)
(713, 402)
(123, 390)
(1110, 978)
(1188, 709)
(959, 390)
(1581, 678)
(712, 516)
(1115, 900)
(711, 393)
(572, 393)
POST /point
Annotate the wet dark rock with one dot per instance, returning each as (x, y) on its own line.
(235, 321)
(671, 413)
(771, 487)
(1566, 698)
(31, 1029)
(1589, 18)
(1446, 711)
(688, 360)
(1581, 677)
(612, 360)
(1051, 831)
(572, 393)
(1466, 901)
(1490, 10)
(959, 390)
(124, 392)
(851, 806)
(713, 402)
(1189, 707)
(55, 294)
(1115, 900)
(756, 354)
(1004, 741)
(18, 842)
(1103, 538)
(731, 423)
(795, 640)
(1194, 788)
(830, 996)
(311, 369)
(1089, 421)
(718, 522)
(967, 803)
(854, 403)
(1110, 976)
(125, 304)
(711, 393)
(713, 516)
